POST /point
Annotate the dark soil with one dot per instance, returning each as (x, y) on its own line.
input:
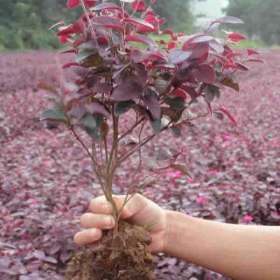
(123, 255)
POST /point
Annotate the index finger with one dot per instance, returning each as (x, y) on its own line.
(100, 205)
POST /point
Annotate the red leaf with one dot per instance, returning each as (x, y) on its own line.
(179, 92)
(76, 27)
(109, 22)
(205, 74)
(196, 39)
(141, 39)
(127, 90)
(228, 114)
(236, 37)
(140, 24)
(144, 29)
(252, 52)
(106, 6)
(199, 51)
(70, 64)
(90, 3)
(63, 39)
(71, 4)
(228, 19)
(138, 6)
(151, 100)
(153, 56)
(151, 18)
(171, 45)
(241, 66)
(103, 40)
(178, 56)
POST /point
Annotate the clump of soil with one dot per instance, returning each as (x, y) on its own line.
(120, 256)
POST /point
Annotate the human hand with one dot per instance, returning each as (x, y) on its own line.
(139, 210)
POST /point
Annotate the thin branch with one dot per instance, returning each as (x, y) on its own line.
(81, 142)
(100, 150)
(92, 157)
(137, 169)
(195, 118)
(139, 140)
(111, 165)
(135, 149)
(114, 149)
(131, 129)
(124, 30)
(106, 149)
(126, 200)
(87, 16)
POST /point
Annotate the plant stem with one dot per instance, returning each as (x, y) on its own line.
(140, 145)
(131, 129)
(81, 142)
(135, 149)
(106, 149)
(87, 16)
(111, 167)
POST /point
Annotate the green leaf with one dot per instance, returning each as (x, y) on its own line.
(211, 93)
(88, 56)
(174, 115)
(123, 107)
(92, 126)
(88, 121)
(176, 131)
(55, 114)
(84, 54)
(157, 126)
(151, 100)
(230, 83)
(176, 103)
(161, 85)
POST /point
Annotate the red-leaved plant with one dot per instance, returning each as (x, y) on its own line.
(125, 65)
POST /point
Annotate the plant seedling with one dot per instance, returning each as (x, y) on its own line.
(124, 68)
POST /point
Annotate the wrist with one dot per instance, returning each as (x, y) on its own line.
(176, 232)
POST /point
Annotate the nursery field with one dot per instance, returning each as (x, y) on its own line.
(46, 179)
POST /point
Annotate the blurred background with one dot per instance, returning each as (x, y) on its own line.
(24, 23)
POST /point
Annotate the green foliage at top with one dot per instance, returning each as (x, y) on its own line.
(261, 18)
(24, 23)
(177, 14)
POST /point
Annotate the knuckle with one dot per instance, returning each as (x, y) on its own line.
(85, 219)
(139, 201)
(97, 200)
(138, 196)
